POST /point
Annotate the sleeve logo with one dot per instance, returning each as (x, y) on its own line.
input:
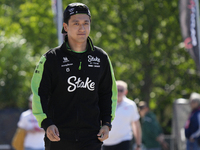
(75, 83)
(72, 9)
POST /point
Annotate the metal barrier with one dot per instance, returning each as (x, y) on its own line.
(170, 140)
(5, 147)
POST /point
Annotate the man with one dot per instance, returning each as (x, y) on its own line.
(152, 136)
(126, 121)
(34, 134)
(74, 88)
(192, 126)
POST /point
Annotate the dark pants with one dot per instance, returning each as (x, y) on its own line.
(193, 145)
(90, 144)
(125, 145)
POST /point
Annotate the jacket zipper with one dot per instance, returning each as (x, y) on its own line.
(79, 68)
(77, 119)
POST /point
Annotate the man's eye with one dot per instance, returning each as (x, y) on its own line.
(76, 24)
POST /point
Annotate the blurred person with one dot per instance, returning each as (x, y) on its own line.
(34, 139)
(126, 122)
(152, 136)
(74, 88)
(192, 126)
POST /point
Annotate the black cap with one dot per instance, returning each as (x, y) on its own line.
(74, 8)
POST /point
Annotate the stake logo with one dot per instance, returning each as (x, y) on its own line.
(75, 83)
(93, 59)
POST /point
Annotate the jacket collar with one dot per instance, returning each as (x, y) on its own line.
(90, 46)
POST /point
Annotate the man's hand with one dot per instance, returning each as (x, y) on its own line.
(137, 148)
(136, 128)
(191, 139)
(161, 140)
(103, 133)
(165, 145)
(53, 133)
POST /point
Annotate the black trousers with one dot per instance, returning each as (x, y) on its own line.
(125, 145)
(89, 144)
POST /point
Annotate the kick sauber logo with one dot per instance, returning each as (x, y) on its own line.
(72, 9)
(75, 83)
(65, 59)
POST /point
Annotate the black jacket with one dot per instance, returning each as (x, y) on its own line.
(74, 91)
(192, 129)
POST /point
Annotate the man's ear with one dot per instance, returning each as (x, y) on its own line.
(126, 92)
(65, 26)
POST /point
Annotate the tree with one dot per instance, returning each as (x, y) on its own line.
(32, 19)
(17, 66)
(27, 30)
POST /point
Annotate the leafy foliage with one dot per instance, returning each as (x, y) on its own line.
(16, 69)
(32, 19)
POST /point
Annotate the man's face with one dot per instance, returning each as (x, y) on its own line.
(121, 92)
(143, 111)
(194, 105)
(78, 28)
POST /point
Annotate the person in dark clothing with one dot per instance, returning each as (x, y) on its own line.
(192, 126)
(74, 88)
(152, 136)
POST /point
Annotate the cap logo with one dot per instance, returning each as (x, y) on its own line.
(71, 10)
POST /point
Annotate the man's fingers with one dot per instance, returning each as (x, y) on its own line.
(103, 137)
(103, 133)
(57, 132)
(165, 146)
(51, 137)
(53, 133)
(100, 132)
(56, 137)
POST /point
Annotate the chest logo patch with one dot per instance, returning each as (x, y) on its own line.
(93, 61)
(75, 83)
(65, 59)
(67, 70)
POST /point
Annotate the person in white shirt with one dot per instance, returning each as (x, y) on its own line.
(125, 124)
(34, 139)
